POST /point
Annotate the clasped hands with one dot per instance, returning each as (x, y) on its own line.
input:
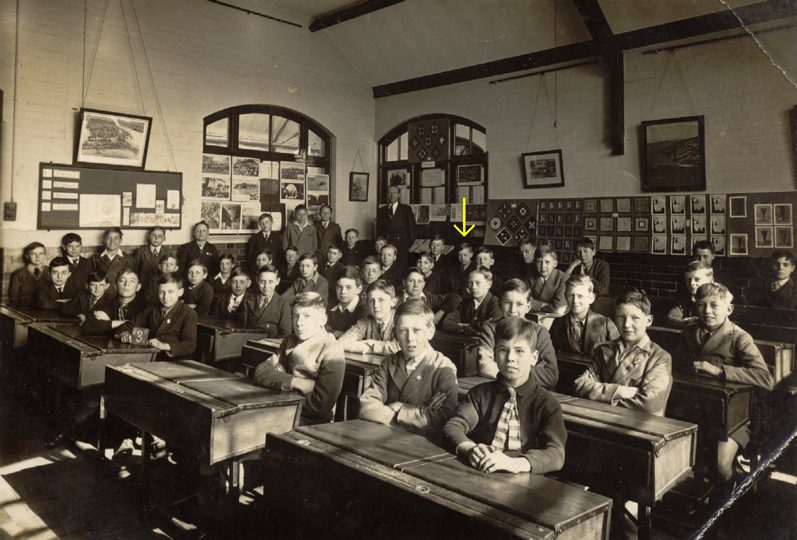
(489, 459)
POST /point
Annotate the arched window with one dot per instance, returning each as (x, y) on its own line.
(262, 158)
(437, 159)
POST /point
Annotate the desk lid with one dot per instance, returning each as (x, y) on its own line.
(229, 327)
(71, 334)
(709, 385)
(33, 315)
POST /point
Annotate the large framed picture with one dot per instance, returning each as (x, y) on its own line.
(358, 186)
(113, 140)
(543, 169)
(674, 155)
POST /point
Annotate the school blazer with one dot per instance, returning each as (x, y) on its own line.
(331, 274)
(201, 295)
(274, 317)
(221, 310)
(458, 278)
(258, 243)
(320, 286)
(190, 251)
(79, 272)
(433, 285)
(352, 256)
(399, 229)
(178, 329)
(600, 274)
(393, 275)
(325, 237)
(304, 240)
(80, 304)
(489, 310)
(730, 348)
(597, 329)
(145, 264)
(95, 327)
(47, 295)
(390, 383)
(552, 292)
(112, 268)
(287, 277)
(783, 298)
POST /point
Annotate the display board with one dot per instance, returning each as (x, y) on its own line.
(75, 198)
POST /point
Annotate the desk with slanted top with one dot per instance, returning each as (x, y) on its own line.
(374, 480)
(223, 341)
(460, 349)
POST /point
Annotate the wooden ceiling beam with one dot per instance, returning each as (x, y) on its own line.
(349, 13)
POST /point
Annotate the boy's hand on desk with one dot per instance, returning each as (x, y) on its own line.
(81, 318)
(708, 368)
(158, 344)
(498, 461)
(305, 386)
(395, 406)
(125, 337)
(627, 392)
(477, 453)
(435, 403)
(63, 300)
(101, 316)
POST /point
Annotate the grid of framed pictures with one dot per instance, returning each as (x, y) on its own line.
(560, 224)
(760, 223)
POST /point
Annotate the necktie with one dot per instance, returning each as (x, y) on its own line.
(392, 210)
(122, 310)
(59, 289)
(507, 434)
(233, 303)
(775, 286)
(36, 272)
(155, 253)
(93, 302)
(704, 337)
(575, 325)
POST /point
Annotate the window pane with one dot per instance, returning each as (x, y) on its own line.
(253, 132)
(403, 150)
(479, 141)
(462, 145)
(285, 136)
(392, 151)
(216, 133)
(315, 145)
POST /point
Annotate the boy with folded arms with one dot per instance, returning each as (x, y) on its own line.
(374, 332)
(684, 312)
(111, 313)
(478, 307)
(267, 309)
(349, 308)
(581, 329)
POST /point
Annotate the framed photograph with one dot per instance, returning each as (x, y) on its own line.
(738, 244)
(698, 225)
(660, 204)
(717, 204)
(678, 224)
(674, 155)
(642, 224)
(113, 140)
(214, 164)
(764, 237)
(719, 245)
(782, 214)
(678, 245)
(470, 175)
(607, 206)
(606, 243)
(590, 206)
(245, 190)
(624, 205)
(784, 237)
(623, 243)
(216, 187)
(660, 224)
(698, 204)
(543, 169)
(399, 177)
(642, 205)
(739, 207)
(641, 244)
(292, 192)
(717, 225)
(659, 245)
(763, 214)
(678, 204)
(358, 186)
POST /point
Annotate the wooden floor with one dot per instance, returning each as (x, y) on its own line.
(59, 494)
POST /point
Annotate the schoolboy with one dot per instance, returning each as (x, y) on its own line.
(510, 424)
(171, 324)
(370, 273)
(25, 281)
(309, 278)
(310, 360)
(349, 308)
(581, 329)
(110, 313)
(425, 262)
(486, 259)
(327, 233)
(265, 238)
(514, 301)
(289, 270)
(374, 332)
(221, 281)
(199, 295)
(526, 249)
(547, 283)
(415, 289)
(715, 347)
(415, 388)
(53, 293)
(478, 307)
(332, 269)
(231, 303)
(703, 251)
(112, 260)
(779, 290)
(630, 371)
(684, 311)
(267, 309)
(390, 272)
(168, 263)
(262, 258)
(379, 243)
(199, 248)
(458, 275)
(441, 263)
(352, 251)
(300, 233)
(83, 302)
(79, 267)
(145, 259)
(585, 264)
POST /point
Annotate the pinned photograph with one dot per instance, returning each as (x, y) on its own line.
(678, 224)
(250, 216)
(606, 243)
(211, 214)
(678, 245)
(216, 187)
(469, 175)
(292, 171)
(677, 204)
(213, 164)
(717, 224)
(230, 216)
(438, 212)
(698, 224)
(127, 198)
(763, 214)
(246, 190)
(642, 224)
(660, 204)
(245, 168)
(399, 177)
(782, 214)
(317, 199)
(784, 237)
(764, 237)
(738, 207)
(659, 245)
(717, 204)
(719, 245)
(738, 244)
(291, 191)
(423, 214)
(318, 182)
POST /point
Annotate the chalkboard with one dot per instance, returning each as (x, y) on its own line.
(73, 197)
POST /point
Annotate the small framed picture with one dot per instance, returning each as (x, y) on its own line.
(738, 244)
(398, 177)
(659, 245)
(784, 237)
(763, 214)
(623, 206)
(698, 224)
(358, 186)
(607, 224)
(607, 206)
(642, 224)
(739, 207)
(606, 243)
(678, 224)
(641, 244)
(568, 205)
(659, 204)
(717, 204)
(577, 219)
(543, 205)
(678, 245)
(590, 224)
(543, 169)
(719, 245)
(113, 140)
(677, 204)
(698, 204)
(623, 243)
(718, 224)
(660, 224)
(623, 225)
(642, 205)
(764, 237)
(578, 206)
(590, 206)
(568, 218)
(782, 214)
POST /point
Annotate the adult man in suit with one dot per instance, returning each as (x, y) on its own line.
(327, 233)
(264, 239)
(145, 260)
(199, 248)
(397, 222)
(112, 260)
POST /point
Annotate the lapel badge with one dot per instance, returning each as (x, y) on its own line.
(418, 377)
(168, 321)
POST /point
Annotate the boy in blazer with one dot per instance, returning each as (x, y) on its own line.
(289, 269)
(684, 309)
(779, 291)
(353, 254)
(267, 309)
(441, 263)
(25, 281)
(332, 270)
(231, 304)
(458, 274)
(349, 308)
(425, 262)
(167, 264)
(264, 239)
(390, 270)
(145, 259)
(415, 289)
(199, 295)
(478, 307)
(327, 233)
(79, 267)
(300, 234)
(309, 278)
(83, 302)
(171, 324)
(374, 332)
(110, 313)
(581, 329)
(547, 283)
(221, 281)
(631, 371)
(112, 260)
(53, 293)
(585, 264)
(415, 388)
(199, 248)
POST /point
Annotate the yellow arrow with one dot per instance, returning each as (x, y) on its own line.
(465, 229)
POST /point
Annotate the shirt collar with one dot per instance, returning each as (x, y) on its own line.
(478, 303)
(106, 254)
(527, 387)
(350, 307)
(580, 321)
(406, 296)
(312, 280)
(222, 278)
(643, 344)
(411, 363)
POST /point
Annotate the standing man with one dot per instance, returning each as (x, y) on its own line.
(327, 233)
(199, 248)
(397, 222)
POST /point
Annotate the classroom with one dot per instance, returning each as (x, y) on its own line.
(398, 269)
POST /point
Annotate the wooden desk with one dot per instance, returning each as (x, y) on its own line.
(219, 341)
(543, 318)
(209, 414)
(460, 349)
(767, 324)
(14, 323)
(382, 482)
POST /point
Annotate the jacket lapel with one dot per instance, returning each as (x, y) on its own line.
(590, 331)
(417, 378)
(167, 321)
(715, 341)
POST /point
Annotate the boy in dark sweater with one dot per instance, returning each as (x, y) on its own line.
(199, 294)
(349, 308)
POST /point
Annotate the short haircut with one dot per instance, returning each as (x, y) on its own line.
(697, 266)
(413, 270)
(636, 298)
(708, 290)
(30, 247)
(325, 206)
(486, 250)
(165, 256)
(463, 246)
(544, 250)
(516, 285)
(437, 236)
(198, 223)
(197, 262)
(265, 215)
(425, 255)
(310, 257)
(381, 239)
(389, 246)
(71, 237)
(578, 281)
(98, 276)
(268, 268)
(351, 272)
(239, 271)
(782, 253)
(355, 231)
(586, 243)
(171, 277)
(370, 259)
(704, 244)
(513, 328)
(111, 230)
(484, 271)
(335, 247)
(58, 261)
(227, 257)
(265, 251)
(381, 285)
(157, 228)
(309, 299)
(124, 272)
(527, 241)
(299, 208)
(415, 308)
(291, 248)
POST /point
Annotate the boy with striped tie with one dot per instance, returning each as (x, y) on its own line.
(510, 424)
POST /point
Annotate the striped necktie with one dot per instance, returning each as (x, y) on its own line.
(507, 434)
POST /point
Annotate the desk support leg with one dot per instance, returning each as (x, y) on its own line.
(146, 440)
(618, 512)
(644, 523)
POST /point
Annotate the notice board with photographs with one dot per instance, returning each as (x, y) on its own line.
(74, 198)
